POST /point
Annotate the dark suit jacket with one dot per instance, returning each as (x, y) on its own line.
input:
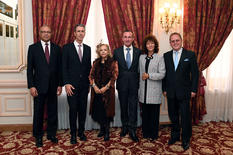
(75, 72)
(127, 77)
(40, 74)
(184, 80)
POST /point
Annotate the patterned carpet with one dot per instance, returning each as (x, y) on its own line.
(208, 138)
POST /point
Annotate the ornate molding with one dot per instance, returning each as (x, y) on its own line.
(13, 84)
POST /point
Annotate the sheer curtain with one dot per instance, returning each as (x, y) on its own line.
(219, 90)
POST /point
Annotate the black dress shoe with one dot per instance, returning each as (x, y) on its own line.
(82, 137)
(39, 142)
(173, 141)
(145, 135)
(73, 139)
(124, 132)
(133, 136)
(101, 133)
(106, 137)
(152, 138)
(52, 139)
(185, 145)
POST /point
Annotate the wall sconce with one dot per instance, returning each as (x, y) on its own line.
(169, 16)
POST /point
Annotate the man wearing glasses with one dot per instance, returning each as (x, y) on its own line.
(179, 85)
(44, 81)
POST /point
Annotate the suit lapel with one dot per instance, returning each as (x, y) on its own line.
(51, 56)
(76, 52)
(84, 53)
(181, 58)
(170, 56)
(122, 57)
(42, 53)
(134, 57)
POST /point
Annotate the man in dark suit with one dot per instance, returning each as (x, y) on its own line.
(179, 85)
(44, 82)
(76, 66)
(127, 84)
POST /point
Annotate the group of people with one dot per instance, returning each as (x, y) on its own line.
(141, 77)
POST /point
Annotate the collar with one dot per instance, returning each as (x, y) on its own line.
(43, 43)
(131, 47)
(76, 43)
(151, 57)
(179, 51)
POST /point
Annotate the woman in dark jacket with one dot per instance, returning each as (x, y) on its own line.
(102, 79)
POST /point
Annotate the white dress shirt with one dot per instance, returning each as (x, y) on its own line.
(43, 45)
(179, 55)
(76, 46)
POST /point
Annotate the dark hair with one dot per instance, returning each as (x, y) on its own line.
(128, 31)
(150, 37)
(79, 25)
(175, 33)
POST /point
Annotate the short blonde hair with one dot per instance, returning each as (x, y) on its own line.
(98, 50)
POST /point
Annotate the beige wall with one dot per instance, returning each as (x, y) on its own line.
(15, 101)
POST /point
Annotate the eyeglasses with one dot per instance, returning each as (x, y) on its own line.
(175, 41)
(45, 31)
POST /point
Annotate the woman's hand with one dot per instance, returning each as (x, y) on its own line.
(145, 76)
(103, 89)
(97, 90)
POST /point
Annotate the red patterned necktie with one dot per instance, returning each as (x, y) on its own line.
(80, 53)
(47, 52)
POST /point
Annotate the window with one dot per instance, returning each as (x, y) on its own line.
(12, 31)
(6, 9)
(1, 29)
(7, 31)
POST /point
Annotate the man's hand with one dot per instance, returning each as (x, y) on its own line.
(33, 91)
(193, 94)
(145, 76)
(164, 93)
(59, 90)
(69, 89)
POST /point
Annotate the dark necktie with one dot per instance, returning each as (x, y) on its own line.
(47, 52)
(128, 58)
(80, 53)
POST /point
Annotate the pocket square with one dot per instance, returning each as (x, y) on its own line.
(186, 59)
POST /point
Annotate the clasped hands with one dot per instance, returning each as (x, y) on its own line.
(102, 90)
(145, 76)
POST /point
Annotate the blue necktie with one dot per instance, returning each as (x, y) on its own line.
(128, 58)
(176, 60)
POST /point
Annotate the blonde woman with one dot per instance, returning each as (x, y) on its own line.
(102, 79)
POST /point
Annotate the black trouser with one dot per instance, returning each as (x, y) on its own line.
(128, 104)
(179, 114)
(77, 107)
(150, 120)
(51, 100)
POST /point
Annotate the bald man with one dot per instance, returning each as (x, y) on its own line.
(44, 81)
